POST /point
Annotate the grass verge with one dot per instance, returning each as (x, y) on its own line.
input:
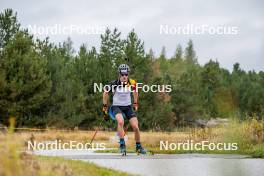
(13, 162)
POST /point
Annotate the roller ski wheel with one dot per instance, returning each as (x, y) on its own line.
(123, 150)
(141, 151)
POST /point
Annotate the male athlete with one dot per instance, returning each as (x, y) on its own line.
(122, 105)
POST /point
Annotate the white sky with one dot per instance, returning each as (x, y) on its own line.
(247, 47)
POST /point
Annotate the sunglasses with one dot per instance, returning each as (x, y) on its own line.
(124, 74)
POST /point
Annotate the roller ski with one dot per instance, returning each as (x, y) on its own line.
(122, 148)
(141, 150)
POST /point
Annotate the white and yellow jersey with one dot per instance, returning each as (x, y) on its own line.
(122, 92)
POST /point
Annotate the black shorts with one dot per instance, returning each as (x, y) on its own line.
(126, 110)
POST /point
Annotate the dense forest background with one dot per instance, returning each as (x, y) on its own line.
(47, 85)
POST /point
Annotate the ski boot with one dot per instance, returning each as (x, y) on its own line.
(123, 149)
(140, 149)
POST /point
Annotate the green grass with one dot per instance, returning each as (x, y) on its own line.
(13, 162)
(249, 136)
(74, 167)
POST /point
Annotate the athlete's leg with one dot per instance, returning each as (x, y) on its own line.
(134, 124)
(121, 133)
(120, 125)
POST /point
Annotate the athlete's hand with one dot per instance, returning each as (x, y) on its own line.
(105, 112)
(135, 106)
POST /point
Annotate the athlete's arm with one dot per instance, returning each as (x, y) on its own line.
(105, 105)
(105, 98)
(106, 93)
(135, 97)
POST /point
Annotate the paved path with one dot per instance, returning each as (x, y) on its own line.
(169, 164)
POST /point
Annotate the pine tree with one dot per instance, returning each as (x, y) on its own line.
(136, 59)
(9, 26)
(190, 55)
(178, 53)
(111, 55)
(27, 84)
(151, 54)
(163, 53)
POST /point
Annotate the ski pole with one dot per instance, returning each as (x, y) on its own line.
(95, 134)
